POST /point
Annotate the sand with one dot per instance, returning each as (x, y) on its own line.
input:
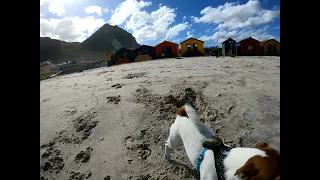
(112, 122)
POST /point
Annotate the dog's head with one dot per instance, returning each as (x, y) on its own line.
(261, 168)
(269, 150)
(182, 111)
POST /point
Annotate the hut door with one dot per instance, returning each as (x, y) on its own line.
(111, 57)
(274, 48)
(269, 48)
(195, 47)
(189, 47)
(168, 49)
(231, 48)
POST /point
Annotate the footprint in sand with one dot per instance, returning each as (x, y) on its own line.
(117, 86)
(135, 75)
(75, 175)
(83, 156)
(129, 142)
(70, 110)
(45, 100)
(113, 99)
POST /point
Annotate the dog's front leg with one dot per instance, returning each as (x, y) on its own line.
(174, 141)
(166, 151)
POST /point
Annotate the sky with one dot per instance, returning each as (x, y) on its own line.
(152, 21)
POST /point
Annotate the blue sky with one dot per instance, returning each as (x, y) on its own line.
(152, 21)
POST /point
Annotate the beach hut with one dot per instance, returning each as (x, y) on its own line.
(167, 49)
(229, 47)
(270, 47)
(110, 55)
(192, 47)
(249, 47)
(124, 55)
(145, 52)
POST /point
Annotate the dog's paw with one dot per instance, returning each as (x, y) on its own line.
(167, 156)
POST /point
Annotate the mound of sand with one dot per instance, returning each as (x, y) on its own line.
(112, 122)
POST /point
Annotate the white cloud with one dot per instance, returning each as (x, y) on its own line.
(106, 10)
(125, 10)
(55, 6)
(220, 36)
(138, 19)
(70, 29)
(93, 9)
(177, 40)
(184, 18)
(233, 15)
(205, 38)
(189, 34)
(174, 31)
(154, 25)
(260, 34)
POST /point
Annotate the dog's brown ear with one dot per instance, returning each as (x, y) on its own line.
(247, 169)
(243, 169)
(182, 111)
(238, 171)
(262, 145)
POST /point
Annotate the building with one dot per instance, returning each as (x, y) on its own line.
(167, 49)
(249, 47)
(146, 50)
(229, 47)
(110, 55)
(124, 55)
(270, 47)
(145, 53)
(192, 47)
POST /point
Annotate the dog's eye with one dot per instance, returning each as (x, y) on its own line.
(243, 176)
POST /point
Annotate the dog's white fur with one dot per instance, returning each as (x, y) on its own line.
(237, 158)
(191, 133)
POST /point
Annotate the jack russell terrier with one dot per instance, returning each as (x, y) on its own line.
(207, 152)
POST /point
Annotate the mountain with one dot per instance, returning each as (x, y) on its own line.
(109, 38)
(95, 47)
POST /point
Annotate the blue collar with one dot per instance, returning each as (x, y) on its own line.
(200, 158)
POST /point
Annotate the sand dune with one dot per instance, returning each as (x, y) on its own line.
(112, 122)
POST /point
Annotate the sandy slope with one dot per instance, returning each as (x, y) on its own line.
(112, 122)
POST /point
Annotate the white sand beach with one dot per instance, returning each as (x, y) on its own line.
(112, 122)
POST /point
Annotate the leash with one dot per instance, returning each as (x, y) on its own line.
(200, 158)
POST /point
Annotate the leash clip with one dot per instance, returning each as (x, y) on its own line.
(200, 157)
